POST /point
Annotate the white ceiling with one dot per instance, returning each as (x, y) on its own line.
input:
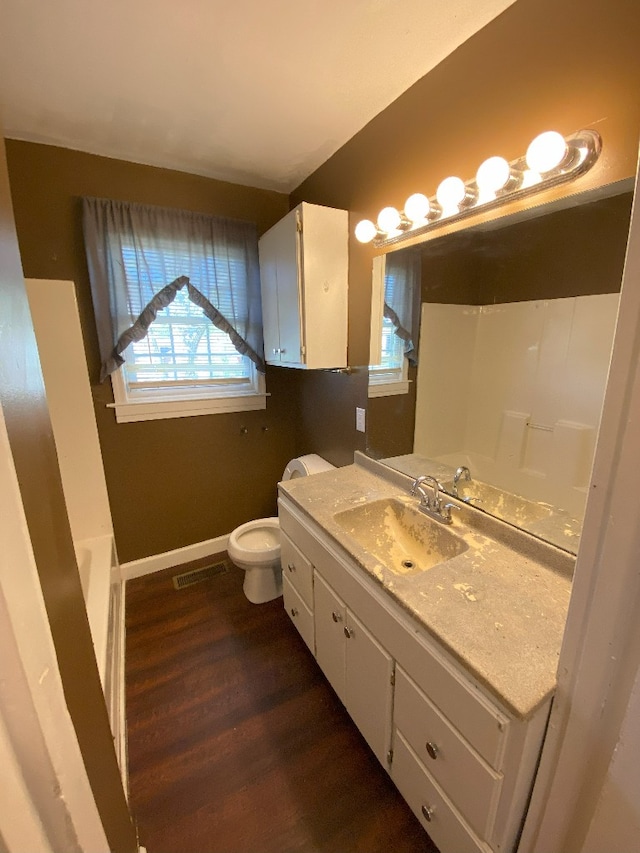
(258, 92)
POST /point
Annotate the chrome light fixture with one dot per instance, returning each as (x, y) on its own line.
(551, 159)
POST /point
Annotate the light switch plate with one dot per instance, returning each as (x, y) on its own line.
(360, 419)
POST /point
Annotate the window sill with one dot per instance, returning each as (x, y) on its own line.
(388, 389)
(152, 411)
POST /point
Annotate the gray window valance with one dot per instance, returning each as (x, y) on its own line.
(140, 256)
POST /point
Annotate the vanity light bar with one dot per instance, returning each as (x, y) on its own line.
(551, 159)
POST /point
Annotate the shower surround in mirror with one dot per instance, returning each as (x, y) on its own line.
(523, 384)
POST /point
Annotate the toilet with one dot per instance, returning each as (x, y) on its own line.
(255, 546)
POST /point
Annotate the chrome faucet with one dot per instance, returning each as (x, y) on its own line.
(431, 504)
(420, 484)
(462, 473)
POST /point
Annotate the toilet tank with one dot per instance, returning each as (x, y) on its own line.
(301, 466)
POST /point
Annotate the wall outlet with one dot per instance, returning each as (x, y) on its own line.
(360, 419)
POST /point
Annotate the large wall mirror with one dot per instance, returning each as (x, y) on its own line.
(517, 321)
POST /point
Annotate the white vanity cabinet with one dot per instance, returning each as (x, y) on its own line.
(463, 762)
(304, 280)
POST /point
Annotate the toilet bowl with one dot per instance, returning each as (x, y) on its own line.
(255, 546)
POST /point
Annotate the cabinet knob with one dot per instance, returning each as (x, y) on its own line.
(348, 632)
(282, 351)
(291, 567)
(432, 749)
(427, 813)
(294, 612)
(276, 351)
(336, 616)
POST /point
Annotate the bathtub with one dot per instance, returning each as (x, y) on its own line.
(95, 561)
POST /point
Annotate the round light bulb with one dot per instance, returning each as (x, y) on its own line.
(388, 219)
(493, 175)
(451, 193)
(365, 231)
(417, 207)
(546, 152)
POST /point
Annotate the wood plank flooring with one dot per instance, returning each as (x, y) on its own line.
(237, 744)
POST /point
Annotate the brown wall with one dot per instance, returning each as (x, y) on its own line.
(177, 481)
(31, 438)
(573, 252)
(542, 64)
(539, 65)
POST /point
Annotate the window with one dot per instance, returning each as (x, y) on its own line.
(389, 374)
(179, 362)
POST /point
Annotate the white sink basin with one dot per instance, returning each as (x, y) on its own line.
(399, 536)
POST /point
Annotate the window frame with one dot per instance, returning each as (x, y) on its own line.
(176, 398)
(186, 401)
(383, 382)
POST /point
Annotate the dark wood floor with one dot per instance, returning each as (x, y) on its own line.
(236, 742)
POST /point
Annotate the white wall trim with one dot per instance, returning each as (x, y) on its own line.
(158, 562)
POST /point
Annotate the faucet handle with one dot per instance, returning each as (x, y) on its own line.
(445, 512)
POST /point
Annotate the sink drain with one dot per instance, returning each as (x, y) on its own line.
(408, 564)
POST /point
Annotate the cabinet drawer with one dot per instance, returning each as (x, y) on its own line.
(297, 569)
(479, 721)
(446, 827)
(463, 775)
(299, 613)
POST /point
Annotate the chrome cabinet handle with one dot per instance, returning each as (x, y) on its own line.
(432, 749)
(291, 567)
(348, 632)
(427, 813)
(336, 616)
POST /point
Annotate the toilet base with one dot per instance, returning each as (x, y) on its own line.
(262, 584)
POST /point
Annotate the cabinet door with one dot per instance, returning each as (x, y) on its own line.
(368, 686)
(290, 307)
(330, 621)
(269, 289)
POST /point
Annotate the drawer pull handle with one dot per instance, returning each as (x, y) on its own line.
(336, 616)
(432, 749)
(348, 632)
(294, 612)
(427, 813)
(291, 567)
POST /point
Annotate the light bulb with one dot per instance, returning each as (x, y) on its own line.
(388, 219)
(451, 193)
(546, 152)
(417, 207)
(493, 175)
(365, 231)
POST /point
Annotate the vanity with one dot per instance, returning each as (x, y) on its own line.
(441, 640)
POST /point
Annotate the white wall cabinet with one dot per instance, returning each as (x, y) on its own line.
(464, 763)
(304, 265)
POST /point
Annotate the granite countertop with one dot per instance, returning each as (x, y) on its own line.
(499, 608)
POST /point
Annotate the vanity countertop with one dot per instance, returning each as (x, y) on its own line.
(499, 608)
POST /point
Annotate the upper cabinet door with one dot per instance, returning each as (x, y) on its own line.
(269, 287)
(304, 274)
(290, 305)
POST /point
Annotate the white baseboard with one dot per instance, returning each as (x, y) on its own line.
(158, 562)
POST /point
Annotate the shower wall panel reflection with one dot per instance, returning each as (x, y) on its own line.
(519, 389)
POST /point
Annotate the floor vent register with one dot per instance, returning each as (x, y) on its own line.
(200, 575)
